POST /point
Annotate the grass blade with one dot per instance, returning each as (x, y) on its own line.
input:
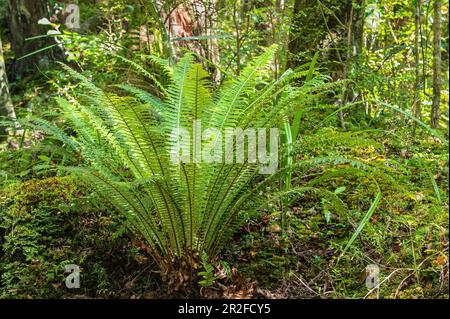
(363, 222)
(37, 51)
(435, 186)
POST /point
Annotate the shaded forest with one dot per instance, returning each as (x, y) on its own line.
(224, 149)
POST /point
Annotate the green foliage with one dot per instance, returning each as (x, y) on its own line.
(112, 130)
(127, 141)
(407, 234)
(207, 275)
(29, 220)
(50, 223)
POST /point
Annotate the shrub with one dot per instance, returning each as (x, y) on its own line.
(181, 209)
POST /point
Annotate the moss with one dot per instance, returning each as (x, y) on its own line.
(407, 235)
(48, 224)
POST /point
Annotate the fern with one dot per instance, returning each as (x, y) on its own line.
(126, 143)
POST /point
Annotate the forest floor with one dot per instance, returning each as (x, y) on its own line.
(367, 210)
(48, 222)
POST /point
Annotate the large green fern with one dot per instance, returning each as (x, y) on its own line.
(126, 143)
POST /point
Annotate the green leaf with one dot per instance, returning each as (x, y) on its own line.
(363, 222)
(327, 215)
(339, 190)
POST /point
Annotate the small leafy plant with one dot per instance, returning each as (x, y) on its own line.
(207, 275)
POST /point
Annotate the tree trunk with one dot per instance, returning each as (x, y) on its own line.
(354, 44)
(354, 48)
(23, 23)
(297, 43)
(238, 36)
(316, 24)
(437, 81)
(358, 27)
(417, 110)
(6, 106)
